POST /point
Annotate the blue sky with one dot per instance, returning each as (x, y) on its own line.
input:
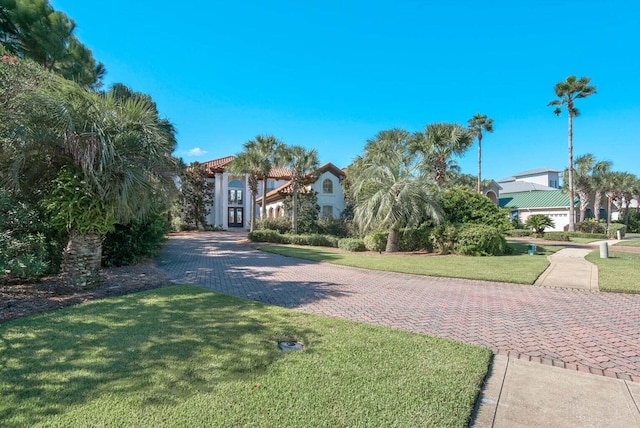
(330, 75)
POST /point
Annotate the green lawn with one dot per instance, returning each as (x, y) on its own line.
(628, 243)
(183, 356)
(619, 272)
(519, 268)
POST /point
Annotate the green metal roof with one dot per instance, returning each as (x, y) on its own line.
(536, 199)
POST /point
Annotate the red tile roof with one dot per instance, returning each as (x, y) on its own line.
(217, 165)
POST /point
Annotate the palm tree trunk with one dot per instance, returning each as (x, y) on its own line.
(263, 210)
(479, 161)
(609, 203)
(392, 240)
(81, 261)
(572, 215)
(294, 209)
(596, 204)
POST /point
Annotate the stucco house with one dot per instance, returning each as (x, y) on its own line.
(536, 192)
(328, 188)
(231, 204)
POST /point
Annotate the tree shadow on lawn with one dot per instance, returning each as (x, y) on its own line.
(157, 347)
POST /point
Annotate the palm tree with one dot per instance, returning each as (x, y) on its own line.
(269, 150)
(388, 190)
(477, 124)
(111, 159)
(567, 92)
(585, 167)
(248, 162)
(302, 163)
(539, 222)
(438, 144)
(598, 180)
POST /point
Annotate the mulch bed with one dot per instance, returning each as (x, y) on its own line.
(21, 299)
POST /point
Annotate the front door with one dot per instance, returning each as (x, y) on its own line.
(236, 217)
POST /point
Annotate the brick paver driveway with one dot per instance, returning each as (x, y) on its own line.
(576, 329)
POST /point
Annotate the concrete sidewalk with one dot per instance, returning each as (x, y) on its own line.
(520, 393)
(569, 269)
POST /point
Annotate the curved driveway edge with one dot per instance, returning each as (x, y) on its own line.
(576, 329)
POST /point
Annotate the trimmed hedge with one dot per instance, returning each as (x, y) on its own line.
(352, 244)
(273, 236)
(481, 240)
(279, 224)
(591, 226)
(518, 233)
(612, 230)
(376, 241)
(265, 235)
(314, 239)
(556, 236)
(416, 239)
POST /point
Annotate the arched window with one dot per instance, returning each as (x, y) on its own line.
(278, 212)
(270, 212)
(327, 186)
(235, 192)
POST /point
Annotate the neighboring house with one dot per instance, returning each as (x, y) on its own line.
(492, 191)
(328, 187)
(553, 203)
(536, 191)
(231, 204)
(527, 181)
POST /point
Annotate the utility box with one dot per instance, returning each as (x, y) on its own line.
(604, 250)
(532, 249)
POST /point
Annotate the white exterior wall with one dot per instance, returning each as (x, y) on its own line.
(335, 199)
(219, 214)
(550, 179)
(559, 216)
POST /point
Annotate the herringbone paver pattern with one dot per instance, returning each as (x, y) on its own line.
(577, 329)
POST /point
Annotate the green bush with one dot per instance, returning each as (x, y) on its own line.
(556, 236)
(376, 241)
(29, 247)
(462, 205)
(518, 233)
(416, 239)
(334, 226)
(612, 230)
(352, 244)
(591, 226)
(266, 235)
(481, 240)
(129, 244)
(280, 224)
(24, 257)
(444, 238)
(586, 235)
(634, 222)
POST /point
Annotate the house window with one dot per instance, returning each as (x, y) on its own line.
(235, 192)
(271, 184)
(278, 212)
(235, 197)
(327, 211)
(327, 186)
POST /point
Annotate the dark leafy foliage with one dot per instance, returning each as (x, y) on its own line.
(129, 244)
(481, 240)
(29, 247)
(461, 205)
